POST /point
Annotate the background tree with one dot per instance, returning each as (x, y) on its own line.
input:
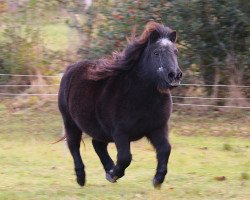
(213, 37)
(22, 48)
(216, 34)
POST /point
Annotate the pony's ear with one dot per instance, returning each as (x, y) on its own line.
(154, 36)
(173, 36)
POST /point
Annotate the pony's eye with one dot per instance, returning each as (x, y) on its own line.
(156, 53)
(176, 51)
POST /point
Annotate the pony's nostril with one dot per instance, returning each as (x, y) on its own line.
(179, 76)
(171, 75)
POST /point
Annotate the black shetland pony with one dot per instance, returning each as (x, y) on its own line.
(122, 99)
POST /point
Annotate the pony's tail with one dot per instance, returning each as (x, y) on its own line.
(64, 137)
(61, 139)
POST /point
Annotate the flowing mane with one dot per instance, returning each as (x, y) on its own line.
(125, 60)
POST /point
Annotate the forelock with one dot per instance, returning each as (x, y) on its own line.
(164, 42)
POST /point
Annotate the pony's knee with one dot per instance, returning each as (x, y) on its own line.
(164, 152)
(125, 160)
(168, 148)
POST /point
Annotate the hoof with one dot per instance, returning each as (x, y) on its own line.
(110, 178)
(81, 181)
(156, 184)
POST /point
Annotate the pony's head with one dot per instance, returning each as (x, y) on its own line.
(156, 52)
(152, 55)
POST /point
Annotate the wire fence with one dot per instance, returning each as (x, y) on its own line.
(29, 85)
(203, 85)
(174, 97)
(211, 98)
(215, 106)
(24, 94)
(183, 84)
(32, 75)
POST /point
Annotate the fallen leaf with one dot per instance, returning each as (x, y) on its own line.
(220, 178)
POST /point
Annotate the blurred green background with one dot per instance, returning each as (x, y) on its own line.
(211, 145)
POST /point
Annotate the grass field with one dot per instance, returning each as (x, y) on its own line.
(56, 37)
(201, 166)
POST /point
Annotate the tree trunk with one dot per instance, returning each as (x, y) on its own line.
(215, 93)
(235, 78)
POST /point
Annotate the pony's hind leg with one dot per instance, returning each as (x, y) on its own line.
(159, 140)
(73, 136)
(102, 152)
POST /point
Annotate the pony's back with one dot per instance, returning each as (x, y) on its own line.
(78, 96)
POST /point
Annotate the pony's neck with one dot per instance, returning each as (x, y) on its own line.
(134, 80)
(145, 83)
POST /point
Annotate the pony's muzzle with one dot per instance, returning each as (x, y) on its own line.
(175, 77)
(179, 76)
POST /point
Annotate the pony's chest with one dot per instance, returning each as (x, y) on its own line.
(136, 112)
(141, 122)
(142, 118)
(151, 115)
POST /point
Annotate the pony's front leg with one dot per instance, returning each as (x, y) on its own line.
(102, 152)
(159, 139)
(124, 158)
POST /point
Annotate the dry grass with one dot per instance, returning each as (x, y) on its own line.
(32, 168)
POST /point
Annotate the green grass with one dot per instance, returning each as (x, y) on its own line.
(59, 37)
(56, 36)
(32, 168)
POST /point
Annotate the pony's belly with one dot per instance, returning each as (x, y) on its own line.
(145, 125)
(93, 129)
(136, 137)
(99, 137)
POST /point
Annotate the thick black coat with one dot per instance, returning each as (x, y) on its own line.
(122, 99)
(116, 104)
